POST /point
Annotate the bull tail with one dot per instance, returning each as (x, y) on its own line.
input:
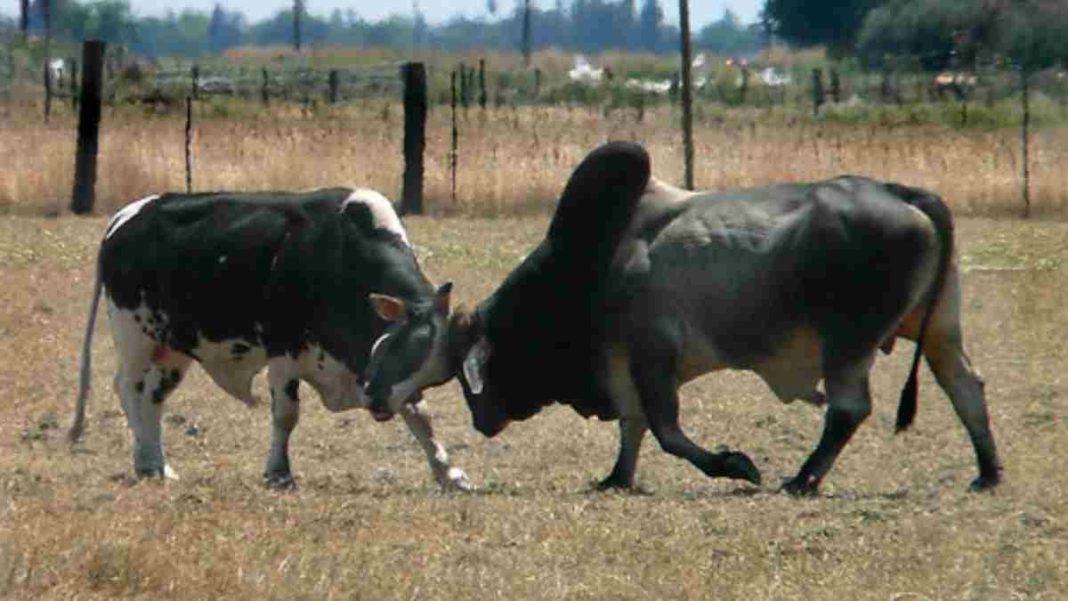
(78, 427)
(935, 210)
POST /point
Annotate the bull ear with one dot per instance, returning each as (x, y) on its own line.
(388, 307)
(475, 366)
(443, 298)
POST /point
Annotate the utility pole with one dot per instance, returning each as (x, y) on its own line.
(526, 33)
(687, 93)
(298, 11)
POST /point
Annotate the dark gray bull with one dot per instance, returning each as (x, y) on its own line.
(639, 287)
(240, 281)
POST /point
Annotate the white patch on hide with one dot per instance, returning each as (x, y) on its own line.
(126, 213)
(381, 211)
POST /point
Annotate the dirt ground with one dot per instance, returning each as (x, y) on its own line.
(894, 520)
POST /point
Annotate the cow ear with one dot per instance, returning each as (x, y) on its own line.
(388, 307)
(443, 298)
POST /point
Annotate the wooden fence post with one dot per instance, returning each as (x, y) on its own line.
(687, 94)
(744, 89)
(817, 91)
(265, 93)
(1025, 140)
(334, 82)
(188, 144)
(74, 84)
(454, 149)
(464, 91)
(88, 127)
(482, 83)
(194, 76)
(414, 76)
(47, 88)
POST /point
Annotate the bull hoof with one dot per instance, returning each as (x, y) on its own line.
(456, 480)
(801, 487)
(984, 483)
(280, 481)
(615, 481)
(737, 465)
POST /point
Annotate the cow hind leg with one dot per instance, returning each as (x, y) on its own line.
(955, 375)
(652, 367)
(285, 413)
(418, 421)
(848, 405)
(157, 382)
(631, 432)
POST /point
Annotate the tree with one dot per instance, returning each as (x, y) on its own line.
(224, 30)
(729, 36)
(649, 20)
(833, 23)
(943, 34)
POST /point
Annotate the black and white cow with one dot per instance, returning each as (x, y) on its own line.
(239, 281)
(639, 287)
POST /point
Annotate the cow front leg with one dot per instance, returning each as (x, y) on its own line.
(631, 432)
(848, 404)
(285, 413)
(652, 366)
(418, 421)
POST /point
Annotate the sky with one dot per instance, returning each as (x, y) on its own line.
(436, 11)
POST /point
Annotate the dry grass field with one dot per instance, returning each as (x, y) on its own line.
(893, 523)
(511, 161)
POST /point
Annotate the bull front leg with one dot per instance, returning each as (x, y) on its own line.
(655, 349)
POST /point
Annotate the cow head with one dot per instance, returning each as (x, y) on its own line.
(411, 354)
(427, 349)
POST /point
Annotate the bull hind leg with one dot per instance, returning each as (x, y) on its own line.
(284, 383)
(944, 350)
(653, 366)
(848, 405)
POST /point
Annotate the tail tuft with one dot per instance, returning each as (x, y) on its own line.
(906, 408)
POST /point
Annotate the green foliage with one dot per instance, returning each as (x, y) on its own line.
(729, 36)
(833, 23)
(947, 33)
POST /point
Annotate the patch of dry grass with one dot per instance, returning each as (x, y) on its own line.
(894, 521)
(511, 161)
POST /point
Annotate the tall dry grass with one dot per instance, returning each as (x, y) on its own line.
(511, 161)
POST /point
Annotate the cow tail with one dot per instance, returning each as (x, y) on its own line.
(935, 210)
(78, 427)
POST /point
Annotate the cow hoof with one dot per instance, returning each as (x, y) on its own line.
(737, 465)
(281, 482)
(456, 479)
(801, 487)
(984, 483)
(156, 473)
